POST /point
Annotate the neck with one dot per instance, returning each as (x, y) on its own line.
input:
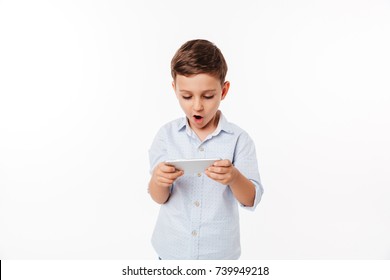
(210, 127)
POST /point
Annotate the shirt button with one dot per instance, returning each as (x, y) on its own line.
(201, 149)
(194, 233)
(197, 203)
(199, 174)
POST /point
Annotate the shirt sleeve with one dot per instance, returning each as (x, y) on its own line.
(245, 161)
(158, 150)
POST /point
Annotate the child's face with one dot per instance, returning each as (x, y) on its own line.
(199, 97)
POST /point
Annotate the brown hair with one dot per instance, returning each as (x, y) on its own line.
(199, 56)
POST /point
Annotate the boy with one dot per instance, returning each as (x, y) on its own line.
(198, 217)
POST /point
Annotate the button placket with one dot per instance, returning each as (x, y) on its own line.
(195, 213)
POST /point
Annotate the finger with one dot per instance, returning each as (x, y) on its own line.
(224, 162)
(164, 185)
(215, 176)
(176, 175)
(162, 167)
(171, 175)
(208, 173)
(164, 180)
(219, 170)
(167, 168)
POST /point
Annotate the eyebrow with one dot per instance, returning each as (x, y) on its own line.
(203, 92)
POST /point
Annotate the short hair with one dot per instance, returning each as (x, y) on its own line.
(199, 56)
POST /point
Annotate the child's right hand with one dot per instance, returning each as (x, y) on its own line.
(164, 175)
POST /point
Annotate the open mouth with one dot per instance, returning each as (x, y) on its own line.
(198, 118)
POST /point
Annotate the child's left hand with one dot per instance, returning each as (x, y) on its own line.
(222, 171)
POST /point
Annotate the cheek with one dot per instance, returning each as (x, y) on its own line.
(215, 105)
(184, 105)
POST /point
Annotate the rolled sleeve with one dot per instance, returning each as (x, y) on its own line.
(258, 195)
(245, 160)
(158, 150)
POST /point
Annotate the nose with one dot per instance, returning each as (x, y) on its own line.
(197, 105)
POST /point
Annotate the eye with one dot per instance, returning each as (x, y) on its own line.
(209, 96)
(186, 97)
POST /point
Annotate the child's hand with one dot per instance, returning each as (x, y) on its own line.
(222, 171)
(164, 175)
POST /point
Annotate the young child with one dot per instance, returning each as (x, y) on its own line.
(198, 217)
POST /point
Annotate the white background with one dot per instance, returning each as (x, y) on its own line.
(85, 85)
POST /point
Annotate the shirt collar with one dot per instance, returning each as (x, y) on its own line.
(223, 125)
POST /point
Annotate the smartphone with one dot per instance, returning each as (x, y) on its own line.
(190, 166)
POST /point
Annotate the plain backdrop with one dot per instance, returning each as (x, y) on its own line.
(85, 85)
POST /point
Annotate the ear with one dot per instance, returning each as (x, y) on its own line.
(225, 89)
(173, 85)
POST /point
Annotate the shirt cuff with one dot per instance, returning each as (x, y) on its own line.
(258, 194)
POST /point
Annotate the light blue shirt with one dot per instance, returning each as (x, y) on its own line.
(200, 220)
